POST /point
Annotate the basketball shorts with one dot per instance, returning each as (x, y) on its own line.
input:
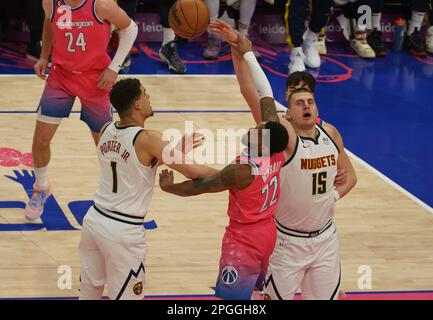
(61, 89)
(112, 253)
(311, 264)
(244, 259)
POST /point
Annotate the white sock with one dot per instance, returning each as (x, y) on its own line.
(246, 11)
(168, 36)
(377, 21)
(41, 177)
(296, 51)
(242, 30)
(310, 35)
(214, 8)
(416, 21)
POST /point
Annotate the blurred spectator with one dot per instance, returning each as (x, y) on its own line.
(168, 52)
(414, 40)
(130, 7)
(354, 28)
(304, 46)
(240, 10)
(32, 12)
(429, 34)
(374, 38)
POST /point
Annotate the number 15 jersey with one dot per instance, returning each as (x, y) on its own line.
(307, 184)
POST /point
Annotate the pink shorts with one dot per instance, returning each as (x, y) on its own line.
(61, 89)
(244, 259)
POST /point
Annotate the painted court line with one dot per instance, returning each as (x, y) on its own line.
(391, 182)
(281, 109)
(381, 175)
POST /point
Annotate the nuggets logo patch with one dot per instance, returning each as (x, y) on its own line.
(138, 288)
(229, 275)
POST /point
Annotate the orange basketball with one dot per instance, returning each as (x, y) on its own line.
(188, 18)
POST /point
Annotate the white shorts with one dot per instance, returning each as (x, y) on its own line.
(311, 264)
(112, 253)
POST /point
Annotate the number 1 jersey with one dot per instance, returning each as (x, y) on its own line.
(307, 184)
(80, 37)
(125, 185)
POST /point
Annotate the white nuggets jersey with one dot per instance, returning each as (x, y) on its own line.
(307, 184)
(125, 185)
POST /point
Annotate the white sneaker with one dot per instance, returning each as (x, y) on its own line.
(345, 26)
(321, 44)
(429, 40)
(312, 57)
(296, 60)
(360, 45)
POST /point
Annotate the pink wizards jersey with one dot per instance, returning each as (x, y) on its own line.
(258, 201)
(80, 37)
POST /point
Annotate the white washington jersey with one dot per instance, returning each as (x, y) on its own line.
(125, 185)
(307, 184)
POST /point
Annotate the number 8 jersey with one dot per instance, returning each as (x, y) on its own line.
(307, 184)
(80, 37)
(125, 185)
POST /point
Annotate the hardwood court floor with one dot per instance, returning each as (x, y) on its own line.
(379, 226)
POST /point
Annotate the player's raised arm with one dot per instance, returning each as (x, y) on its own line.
(268, 109)
(152, 142)
(342, 163)
(242, 71)
(109, 10)
(233, 176)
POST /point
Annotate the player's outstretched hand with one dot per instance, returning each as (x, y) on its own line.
(106, 79)
(40, 68)
(225, 31)
(340, 178)
(244, 45)
(190, 142)
(166, 179)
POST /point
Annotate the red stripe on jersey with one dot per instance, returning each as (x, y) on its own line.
(80, 37)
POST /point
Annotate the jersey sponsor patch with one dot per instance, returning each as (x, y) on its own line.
(229, 275)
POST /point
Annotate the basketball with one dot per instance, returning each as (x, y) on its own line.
(189, 18)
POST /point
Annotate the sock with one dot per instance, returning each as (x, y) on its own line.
(296, 51)
(168, 35)
(246, 11)
(243, 29)
(310, 35)
(41, 177)
(416, 21)
(377, 19)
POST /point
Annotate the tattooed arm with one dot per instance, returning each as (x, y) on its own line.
(233, 176)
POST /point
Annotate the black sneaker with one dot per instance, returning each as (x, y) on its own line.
(169, 54)
(374, 39)
(415, 44)
(34, 51)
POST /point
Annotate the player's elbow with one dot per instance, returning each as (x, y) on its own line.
(353, 180)
(191, 173)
